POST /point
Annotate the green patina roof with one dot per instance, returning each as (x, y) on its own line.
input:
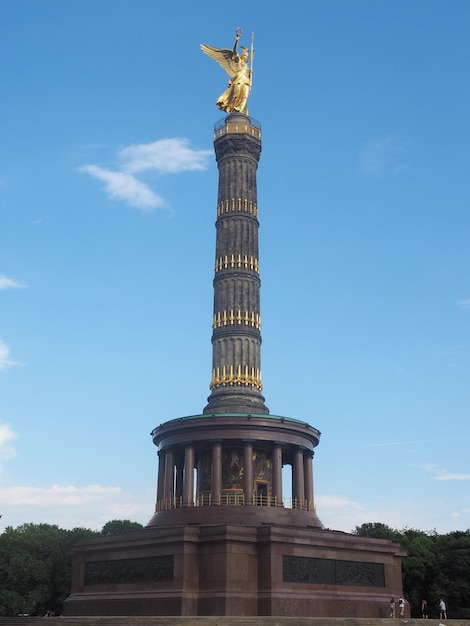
(260, 415)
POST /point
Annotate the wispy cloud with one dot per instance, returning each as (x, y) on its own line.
(4, 356)
(383, 156)
(465, 304)
(7, 451)
(9, 283)
(68, 495)
(411, 441)
(123, 186)
(464, 512)
(443, 474)
(339, 512)
(71, 506)
(164, 156)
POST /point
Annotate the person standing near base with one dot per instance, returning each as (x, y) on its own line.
(424, 609)
(442, 609)
(401, 605)
(392, 607)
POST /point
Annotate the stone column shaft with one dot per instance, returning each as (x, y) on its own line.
(216, 473)
(169, 475)
(308, 478)
(236, 338)
(179, 481)
(277, 474)
(161, 477)
(188, 475)
(248, 472)
(298, 490)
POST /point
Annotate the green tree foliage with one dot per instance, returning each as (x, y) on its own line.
(119, 526)
(377, 530)
(35, 568)
(436, 566)
(452, 576)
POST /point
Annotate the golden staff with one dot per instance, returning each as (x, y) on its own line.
(252, 54)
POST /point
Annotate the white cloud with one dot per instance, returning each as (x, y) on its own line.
(383, 156)
(7, 451)
(56, 495)
(9, 283)
(465, 304)
(70, 506)
(408, 442)
(339, 512)
(464, 512)
(4, 354)
(6, 434)
(165, 156)
(443, 474)
(123, 186)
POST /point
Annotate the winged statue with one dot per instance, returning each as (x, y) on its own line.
(235, 97)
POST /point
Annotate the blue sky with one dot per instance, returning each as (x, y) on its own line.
(108, 189)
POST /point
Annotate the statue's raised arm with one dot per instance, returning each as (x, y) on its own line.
(235, 97)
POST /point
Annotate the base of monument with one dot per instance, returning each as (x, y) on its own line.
(234, 570)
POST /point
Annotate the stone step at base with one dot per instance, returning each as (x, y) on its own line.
(222, 621)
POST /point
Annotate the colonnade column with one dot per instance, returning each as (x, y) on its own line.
(298, 485)
(308, 479)
(188, 476)
(169, 475)
(248, 472)
(161, 477)
(277, 474)
(179, 480)
(216, 474)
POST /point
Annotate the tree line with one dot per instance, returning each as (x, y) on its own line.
(436, 566)
(35, 566)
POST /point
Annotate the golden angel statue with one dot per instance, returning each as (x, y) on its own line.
(235, 97)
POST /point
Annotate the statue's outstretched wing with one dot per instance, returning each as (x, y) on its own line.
(223, 56)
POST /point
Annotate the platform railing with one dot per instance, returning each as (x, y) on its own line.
(236, 125)
(233, 499)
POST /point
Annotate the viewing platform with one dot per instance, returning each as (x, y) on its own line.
(237, 123)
